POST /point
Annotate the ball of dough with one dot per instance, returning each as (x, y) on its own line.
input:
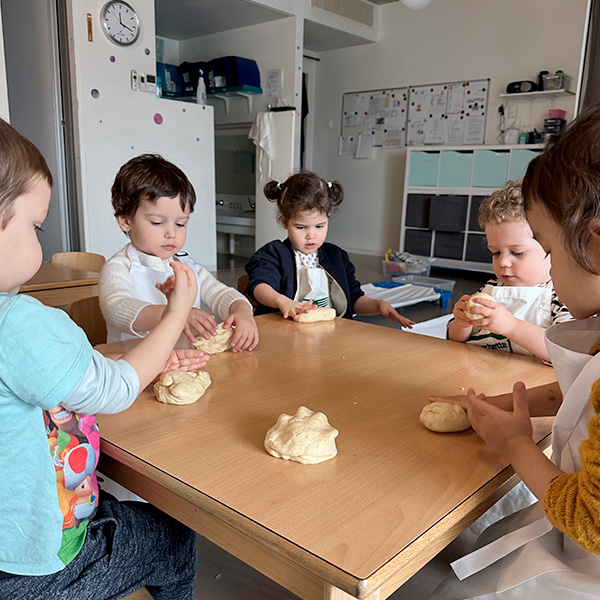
(307, 437)
(444, 417)
(471, 304)
(217, 343)
(317, 314)
(181, 387)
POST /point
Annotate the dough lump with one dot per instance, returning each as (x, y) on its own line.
(307, 437)
(444, 417)
(181, 387)
(217, 343)
(471, 304)
(317, 314)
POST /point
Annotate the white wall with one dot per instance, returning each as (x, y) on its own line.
(3, 87)
(451, 40)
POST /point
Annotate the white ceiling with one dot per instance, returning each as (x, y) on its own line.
(183, 19)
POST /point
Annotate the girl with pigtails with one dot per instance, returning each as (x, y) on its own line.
(304, 271)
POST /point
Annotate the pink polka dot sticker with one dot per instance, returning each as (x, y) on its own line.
(158, 118)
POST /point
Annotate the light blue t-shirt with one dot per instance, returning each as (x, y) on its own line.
(45, 361)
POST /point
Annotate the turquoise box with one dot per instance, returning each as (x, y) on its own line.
(424, 167)
(490, 168)
(518, 162)
(455, 168)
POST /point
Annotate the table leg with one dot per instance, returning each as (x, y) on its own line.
(332, 593)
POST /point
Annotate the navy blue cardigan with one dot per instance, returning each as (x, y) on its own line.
(275, 265)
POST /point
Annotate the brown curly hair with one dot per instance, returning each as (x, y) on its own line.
(304, 191)
(503, 205)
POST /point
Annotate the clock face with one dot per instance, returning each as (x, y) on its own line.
(120, 22)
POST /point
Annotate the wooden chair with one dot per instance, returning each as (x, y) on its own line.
(85, 261)
(242, 287)
(86, 313)
(141, 594)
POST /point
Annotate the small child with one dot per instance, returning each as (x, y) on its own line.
(305, 271)
(552, 549)
(60, 537)
(152, 200)
(525, 301)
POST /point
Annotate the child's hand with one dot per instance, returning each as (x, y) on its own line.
(167, 286)
(387, 310)
(202, 322)
(186, 360)
(503, 431)
(464, 400)
(246, 331)
(184, 290)
(459, 312)
(291, 308)
(494, 318)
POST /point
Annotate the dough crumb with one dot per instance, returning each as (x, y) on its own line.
(444, 417)
(217, 343)
(181, 387)
(307, 437)
(317, 314)
(471, 304)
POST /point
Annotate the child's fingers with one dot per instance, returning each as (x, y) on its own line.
(520, 405)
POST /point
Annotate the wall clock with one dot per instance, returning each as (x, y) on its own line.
(120, 22)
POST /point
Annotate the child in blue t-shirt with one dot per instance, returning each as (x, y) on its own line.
(60, 538)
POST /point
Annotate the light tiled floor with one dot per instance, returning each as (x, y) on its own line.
(222, 576)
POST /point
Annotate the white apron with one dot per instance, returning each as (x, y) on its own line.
(312, 283)
(524, 556)
(528, 303)
(143, 281)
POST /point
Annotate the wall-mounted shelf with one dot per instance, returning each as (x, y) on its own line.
(543, 94)
(238, 91)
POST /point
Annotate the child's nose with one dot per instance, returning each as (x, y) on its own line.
(505, 260)
(170, 231)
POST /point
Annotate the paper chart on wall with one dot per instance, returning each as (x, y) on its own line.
(447, 114)
(377, 113)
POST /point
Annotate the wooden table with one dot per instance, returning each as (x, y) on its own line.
(59, 286)
(358, 525)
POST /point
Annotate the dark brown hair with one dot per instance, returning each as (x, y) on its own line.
(21, 163)
(304, 191)
(149, 177)
(565, 178)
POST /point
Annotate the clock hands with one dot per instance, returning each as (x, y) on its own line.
(123, 24)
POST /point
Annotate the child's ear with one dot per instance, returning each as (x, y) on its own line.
(124, 223)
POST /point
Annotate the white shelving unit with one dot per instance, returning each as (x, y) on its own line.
(443, 187)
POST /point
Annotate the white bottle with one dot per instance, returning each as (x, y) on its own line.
(201, 91)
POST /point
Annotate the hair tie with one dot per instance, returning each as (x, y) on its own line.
(278, 185)
(329, 184)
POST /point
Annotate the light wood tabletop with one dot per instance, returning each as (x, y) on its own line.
(356, 526)
(59, 286)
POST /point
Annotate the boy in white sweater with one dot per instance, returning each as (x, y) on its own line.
(153, 200)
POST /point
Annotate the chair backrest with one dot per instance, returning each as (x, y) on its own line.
(86, 313)
(86, 261)
(242, 287)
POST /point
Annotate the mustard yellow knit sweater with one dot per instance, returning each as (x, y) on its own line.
(572, 501)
